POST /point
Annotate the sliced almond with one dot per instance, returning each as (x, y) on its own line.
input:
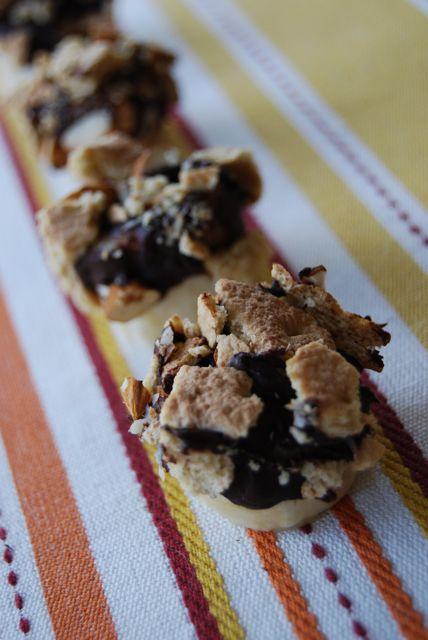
(211, 317)
(135, 396)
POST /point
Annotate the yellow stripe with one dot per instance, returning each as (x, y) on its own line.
(399, 475)
(388, 265)
(199, 553)
(369, 60)
(211, 580)
(23, 138)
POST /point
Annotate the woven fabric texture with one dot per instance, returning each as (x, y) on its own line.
(94, 545)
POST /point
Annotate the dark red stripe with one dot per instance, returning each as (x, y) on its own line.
(185, 574)
(193, 596)
(409, 451)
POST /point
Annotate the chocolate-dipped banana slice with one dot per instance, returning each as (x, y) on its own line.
(258, 408)
(124, 246)
(89, 87)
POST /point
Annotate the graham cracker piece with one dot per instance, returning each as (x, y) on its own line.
(203, 167)
(266, 322)
(354, 335)
(327, 390)
(211, 398)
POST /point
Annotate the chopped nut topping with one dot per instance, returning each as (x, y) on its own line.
(176, 324)
(322, 477)
(135, 396)
(190, 352)
(211, 317)
(316, 275)
(143, 193)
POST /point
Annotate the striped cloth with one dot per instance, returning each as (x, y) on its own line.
(331, 96)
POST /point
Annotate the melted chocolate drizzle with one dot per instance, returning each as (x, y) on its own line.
(147, 109)
(44, 36)
(130, 252)
(267, 460)
(139, 250)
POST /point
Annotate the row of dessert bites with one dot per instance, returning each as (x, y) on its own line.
(85, 78)
(153, 219)
(257, 407)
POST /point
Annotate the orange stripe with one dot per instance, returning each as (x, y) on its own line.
(287, 589)
(71, 584)
(197, 575)
(380, 570)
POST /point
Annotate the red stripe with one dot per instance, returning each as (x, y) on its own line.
(193, 596)
(185, 574)
(394, 429)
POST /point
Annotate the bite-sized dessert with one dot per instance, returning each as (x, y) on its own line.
(86, 88)
(258, 409)
(123, 248)
(28, 27)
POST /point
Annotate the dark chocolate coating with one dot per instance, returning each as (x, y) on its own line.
(141, 260)
(135, 251)
(260, 489)
(269, 448)
(147, 109)
(45, 36)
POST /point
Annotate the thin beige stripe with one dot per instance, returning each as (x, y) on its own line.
(387, 264)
